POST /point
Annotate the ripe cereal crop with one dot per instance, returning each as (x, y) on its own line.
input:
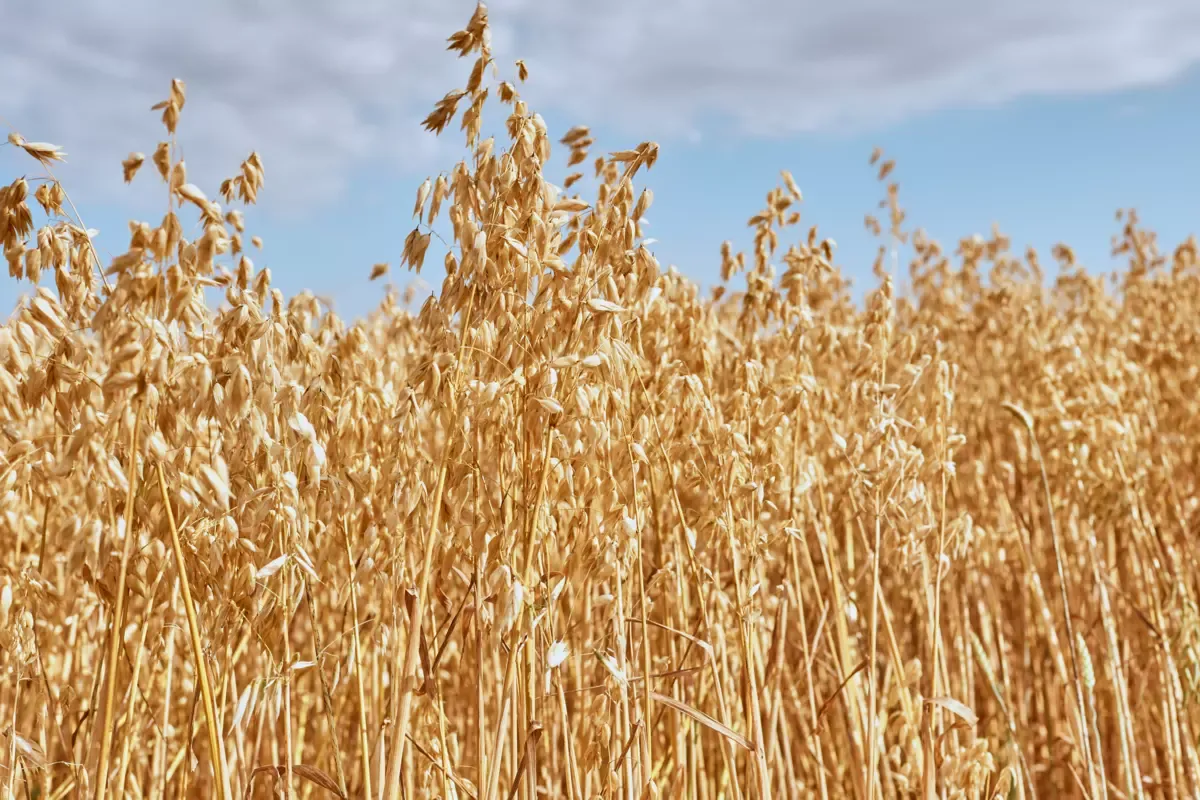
(574, 529)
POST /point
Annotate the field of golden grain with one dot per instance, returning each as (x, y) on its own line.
(575, 530)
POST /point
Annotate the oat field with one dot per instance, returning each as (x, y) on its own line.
(576, 529)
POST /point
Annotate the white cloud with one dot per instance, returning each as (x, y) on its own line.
(325, 88)
(780, 66)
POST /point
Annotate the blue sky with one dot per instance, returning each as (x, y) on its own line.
(1077, 110)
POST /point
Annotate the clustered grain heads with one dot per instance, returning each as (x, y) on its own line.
(573, 529)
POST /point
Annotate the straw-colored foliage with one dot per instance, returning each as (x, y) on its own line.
(574, 530)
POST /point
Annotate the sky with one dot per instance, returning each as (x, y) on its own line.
(1041, 116)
